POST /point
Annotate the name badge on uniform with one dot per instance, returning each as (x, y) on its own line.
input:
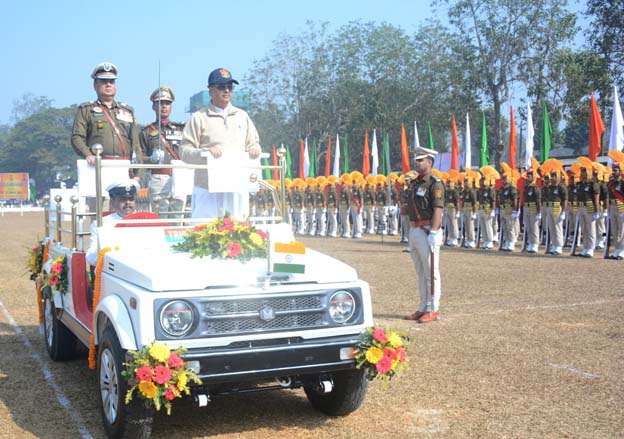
(124, 116)
(421, 191)
(174, 135)
(555, 192)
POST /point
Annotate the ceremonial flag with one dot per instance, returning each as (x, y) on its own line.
(301, 159)
(312, 171)
(306, 159)
(266, 173)
(405, 159)
(288, 258)
(484, 145)
(374, 154)
(546, 133)
(616, 139)
(512, 138)
(328, 156)
(430, 136)
(275, 163)
(336, 170)
(454, 144)
(529, 137)
(366, 156)
(416, 139)
(385, 164)
(468, 144)
(345, 159)
(596, 128)
(288, 162)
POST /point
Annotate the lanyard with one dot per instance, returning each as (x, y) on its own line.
(110, 120)
(164, 141)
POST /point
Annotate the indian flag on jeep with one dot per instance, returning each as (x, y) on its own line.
(288, 258)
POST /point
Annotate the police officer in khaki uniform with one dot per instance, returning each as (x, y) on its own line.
(160, 143)
(589, 210)
(332, 210)
(616, 204)
(106, 121)
(369, 206)
(425, 206)
(557, 205)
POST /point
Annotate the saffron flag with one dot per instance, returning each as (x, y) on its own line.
(454, 144)
(366, 156)
(312, 170)
(512, 138)
(616, 139)
(345, 158)
(288, 162)
(468, 145)
(546, 133)
(430, 136)
(301, 159)
(275, 163)
(374, 154)
(529, 138)
(484, 145)
(596, 128)
(405, 160)
(306, 159)
(336, 170)
(288, 257)
(328, 156)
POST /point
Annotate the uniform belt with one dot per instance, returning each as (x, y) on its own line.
(114, 157)
(422, 223)
(161, 171)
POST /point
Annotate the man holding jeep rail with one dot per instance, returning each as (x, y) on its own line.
(425, 206)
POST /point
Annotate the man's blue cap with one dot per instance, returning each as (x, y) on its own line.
(221, 77)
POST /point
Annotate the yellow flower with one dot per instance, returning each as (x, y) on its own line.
(255, 238)
(395, 340)
(373, 355)
(159, 352)
(148, 389)
(182, 381)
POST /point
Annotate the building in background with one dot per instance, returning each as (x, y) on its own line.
(240, 99)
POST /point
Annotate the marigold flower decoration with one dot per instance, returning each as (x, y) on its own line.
(382, 352)
(36, 260)
(158, 375)
(57, 277)
(224, 238)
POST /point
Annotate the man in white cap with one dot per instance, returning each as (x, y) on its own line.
(160, 143)
(106, 121)
(122, 202)
(425, 206)
(217, 129)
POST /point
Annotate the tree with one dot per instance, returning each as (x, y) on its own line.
(606, 35)
(28, 105)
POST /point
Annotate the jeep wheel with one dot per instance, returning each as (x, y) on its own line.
(347, 395)
(121, 420)
(60, 342)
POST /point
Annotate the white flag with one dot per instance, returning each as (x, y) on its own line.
(616, 140)
(529, 137)
(468, 146)
(337, 157)
(306, 160)
(374, 154)
(416, 139)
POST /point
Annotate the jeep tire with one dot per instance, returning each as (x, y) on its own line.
(121, 420)
(347, 395)
(60, 342)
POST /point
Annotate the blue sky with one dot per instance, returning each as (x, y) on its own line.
(51, 47)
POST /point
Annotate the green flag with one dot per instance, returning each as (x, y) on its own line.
(385, 156)
(345, 155)
(484, 145)
(266, 173)
(546, 132)
(430, 135)
(288, 163)
(312, 170)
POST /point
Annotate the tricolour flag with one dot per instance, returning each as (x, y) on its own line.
(616, 139)
(288, 257)
(596, 128)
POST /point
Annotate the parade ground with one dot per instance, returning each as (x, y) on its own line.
(528, 346)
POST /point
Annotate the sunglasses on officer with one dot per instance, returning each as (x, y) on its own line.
(223, 87)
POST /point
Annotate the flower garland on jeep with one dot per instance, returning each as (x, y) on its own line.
(381, 352)
(57, 277)
(36, 260)
(224, 238)
(158, 375)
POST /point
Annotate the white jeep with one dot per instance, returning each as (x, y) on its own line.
(245, 327)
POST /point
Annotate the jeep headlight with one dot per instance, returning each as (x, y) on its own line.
(341, 306)
(176, 318)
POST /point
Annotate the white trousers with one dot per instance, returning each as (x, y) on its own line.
(422, 256)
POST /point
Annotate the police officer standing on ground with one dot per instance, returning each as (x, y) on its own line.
(558, 205)
(616, 204)
(106, 121)
(589, 211)
(508, 207)
(532, 204)
(160, 143)
(425, 206)
(451, 201)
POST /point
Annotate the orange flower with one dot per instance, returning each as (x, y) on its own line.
(148, 389)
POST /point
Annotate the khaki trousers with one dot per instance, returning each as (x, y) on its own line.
(587, 226)
(532, 227)
(617, 226)
(555, 226)
(451, 223)
(422, 256)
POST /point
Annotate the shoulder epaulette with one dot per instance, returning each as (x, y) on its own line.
(87, 104)
(126, 106)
